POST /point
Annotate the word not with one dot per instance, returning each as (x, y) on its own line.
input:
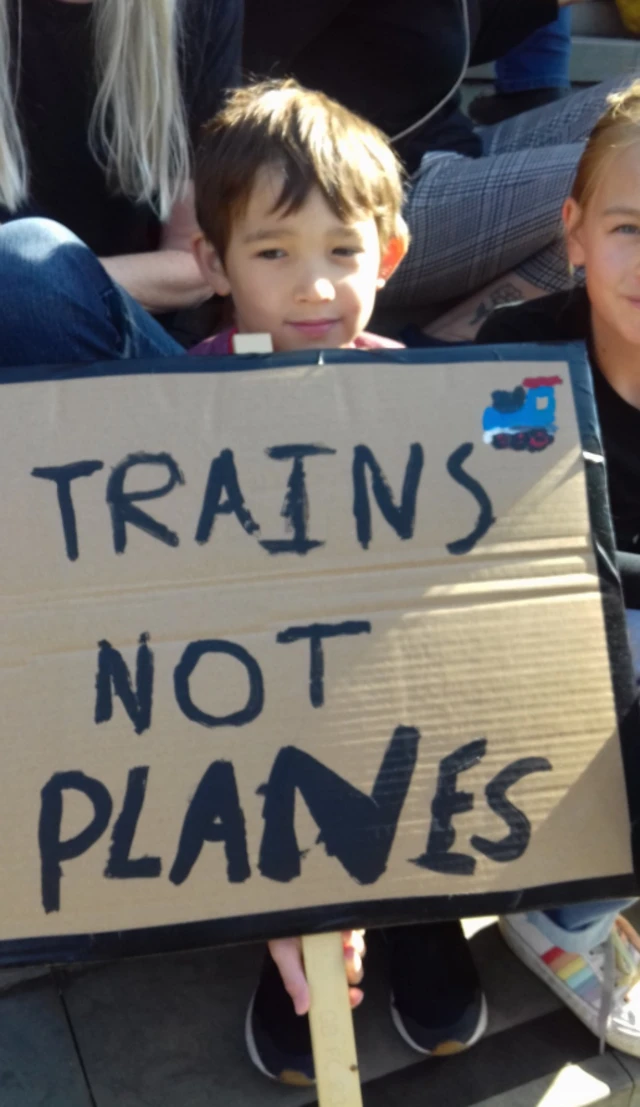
(113, 675)
(223, 496)
(355, 828)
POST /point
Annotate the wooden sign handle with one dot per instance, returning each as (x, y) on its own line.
(331, 1021)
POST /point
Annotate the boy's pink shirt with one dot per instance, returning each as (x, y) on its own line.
(221, 344)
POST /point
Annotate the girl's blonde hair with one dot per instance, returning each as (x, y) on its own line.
(617, 129)
(138, 130)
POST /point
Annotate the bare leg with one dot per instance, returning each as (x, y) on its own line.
(462, 322)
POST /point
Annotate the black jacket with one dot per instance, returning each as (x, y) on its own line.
(499, 25)
(390, 60)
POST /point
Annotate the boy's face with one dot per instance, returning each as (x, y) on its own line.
(306, 278)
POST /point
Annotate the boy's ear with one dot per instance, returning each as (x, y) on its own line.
(393, 254)
(210, 265)
(572, 220)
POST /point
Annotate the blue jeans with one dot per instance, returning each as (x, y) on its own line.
(541, 61)
(59, 306)
(580, 927)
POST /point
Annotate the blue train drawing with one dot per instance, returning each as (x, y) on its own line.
(523, 419)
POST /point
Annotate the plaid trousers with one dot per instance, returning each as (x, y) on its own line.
(472, 219)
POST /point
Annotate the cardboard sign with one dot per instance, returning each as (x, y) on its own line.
(317, 641)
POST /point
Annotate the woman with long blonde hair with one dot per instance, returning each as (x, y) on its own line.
(101, 102)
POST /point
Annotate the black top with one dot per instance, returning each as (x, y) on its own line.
(565, 317)
(390, 60)
(55, 96)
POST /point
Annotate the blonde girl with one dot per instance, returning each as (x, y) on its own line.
(100, 104)
(588, 954)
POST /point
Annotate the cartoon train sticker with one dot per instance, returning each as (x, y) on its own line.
(523, 419)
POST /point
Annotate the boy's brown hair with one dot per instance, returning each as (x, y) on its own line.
(313, 141)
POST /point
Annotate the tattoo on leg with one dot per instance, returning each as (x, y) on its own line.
(503, 294)
(461, 323)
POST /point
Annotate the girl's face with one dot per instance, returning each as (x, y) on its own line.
(604, 237)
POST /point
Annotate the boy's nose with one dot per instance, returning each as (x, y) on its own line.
(316, 290)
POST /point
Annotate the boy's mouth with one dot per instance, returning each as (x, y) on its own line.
(313, 328)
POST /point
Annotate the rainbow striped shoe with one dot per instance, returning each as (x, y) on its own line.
(598, 986)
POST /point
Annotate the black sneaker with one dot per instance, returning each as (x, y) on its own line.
(437, 1004)
(278, 1040)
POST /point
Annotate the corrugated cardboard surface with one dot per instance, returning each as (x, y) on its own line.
(505, 643)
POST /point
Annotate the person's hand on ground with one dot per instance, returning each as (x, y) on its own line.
(287, 954)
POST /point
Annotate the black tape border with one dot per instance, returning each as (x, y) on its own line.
(625, 689)
(311, 920)
(225, 931)
(572, 352)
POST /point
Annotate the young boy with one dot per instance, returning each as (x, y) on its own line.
(299, 203)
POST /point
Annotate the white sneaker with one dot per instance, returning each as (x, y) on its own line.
(600, 986)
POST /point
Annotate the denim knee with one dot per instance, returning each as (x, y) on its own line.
(60, 306)
(33, 250)
(58, 303)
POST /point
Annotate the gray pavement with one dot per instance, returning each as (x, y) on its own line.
(168, 1032)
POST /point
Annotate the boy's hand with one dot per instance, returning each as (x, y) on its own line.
(287, 954)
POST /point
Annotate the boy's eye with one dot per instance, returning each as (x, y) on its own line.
(347, 251)
(272, 255)
(627, 228)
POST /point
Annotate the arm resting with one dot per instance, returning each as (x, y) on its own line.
(168, 278)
